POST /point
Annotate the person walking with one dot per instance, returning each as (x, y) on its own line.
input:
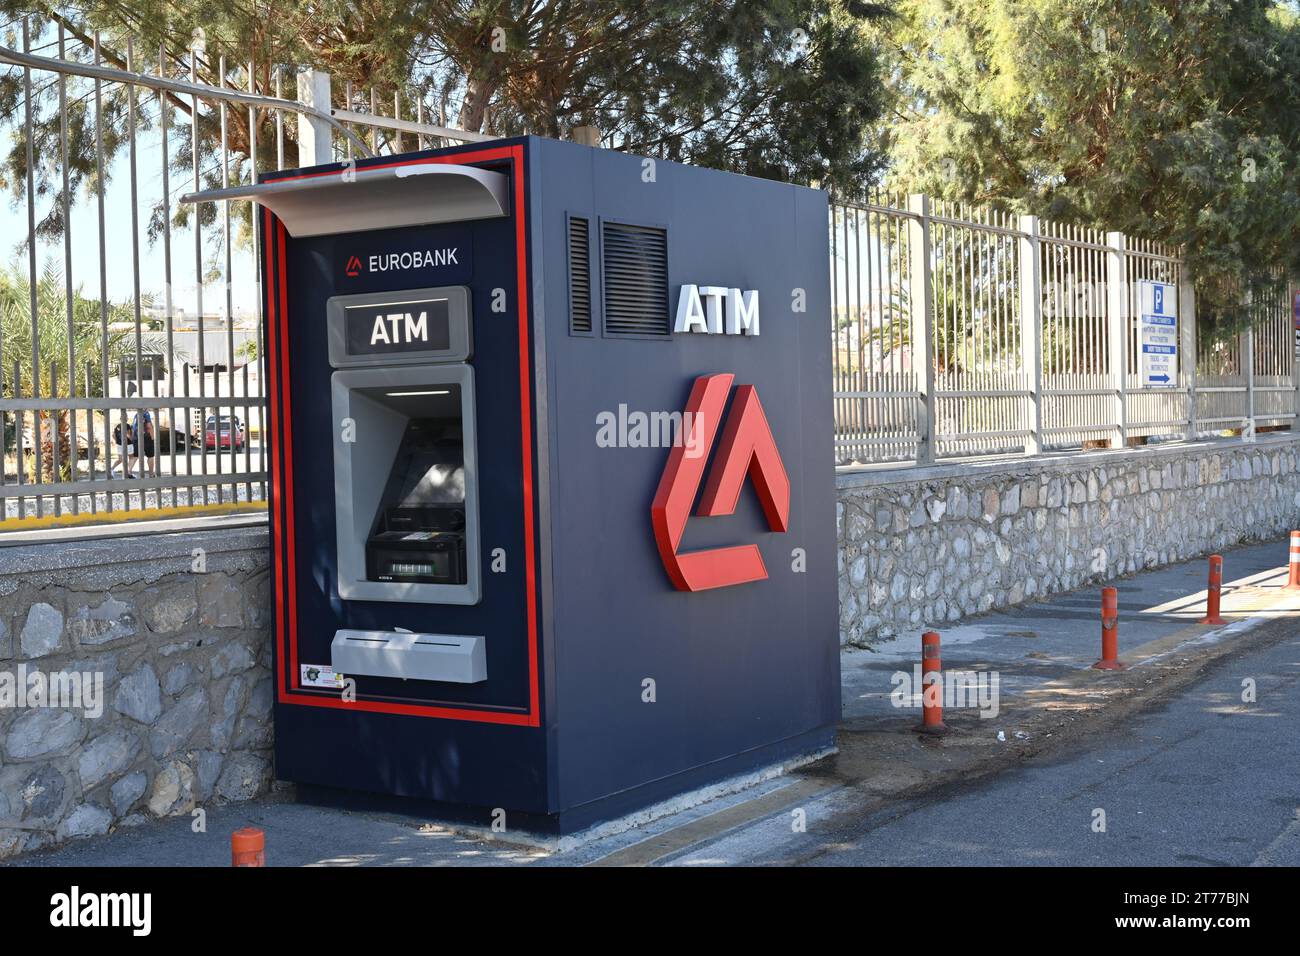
(135, 441)
(142, 427)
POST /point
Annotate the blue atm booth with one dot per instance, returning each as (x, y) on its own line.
(552, 498)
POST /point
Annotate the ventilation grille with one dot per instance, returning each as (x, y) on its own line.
(579, 275)
(635, 274)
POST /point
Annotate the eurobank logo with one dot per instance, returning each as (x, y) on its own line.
(442, 257)
(403, 261)
(746, 450)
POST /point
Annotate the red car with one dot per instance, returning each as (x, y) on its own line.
(221, 435)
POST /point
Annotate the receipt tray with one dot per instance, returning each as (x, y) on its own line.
(410, 656)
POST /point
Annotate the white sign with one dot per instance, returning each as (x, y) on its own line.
(1158, 334)
(318, 675)
(701, 308)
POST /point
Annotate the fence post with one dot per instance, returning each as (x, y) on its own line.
(1031, 328)
(1293, 297)
(1117, 332)
(1246, 349)
(315, 137)
(1187, 342)
(921, 299)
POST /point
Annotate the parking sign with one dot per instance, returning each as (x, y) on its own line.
(1158, 334)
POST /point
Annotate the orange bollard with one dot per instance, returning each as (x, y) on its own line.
(931, 694)
(1109, 631)
(248, 847)
(1293, 579)
(1212, 592)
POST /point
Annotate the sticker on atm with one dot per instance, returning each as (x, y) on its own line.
(318, 675)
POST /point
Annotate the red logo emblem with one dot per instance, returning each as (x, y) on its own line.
(747, 448)
(353, 268)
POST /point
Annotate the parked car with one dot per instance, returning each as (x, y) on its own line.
(218, 433)
(169, 436)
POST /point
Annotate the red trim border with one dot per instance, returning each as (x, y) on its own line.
(282, 529)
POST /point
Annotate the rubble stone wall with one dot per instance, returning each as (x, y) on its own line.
(922, 546)
(175, 631)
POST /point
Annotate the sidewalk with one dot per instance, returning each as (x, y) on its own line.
(1034, 644)
(1048, 695)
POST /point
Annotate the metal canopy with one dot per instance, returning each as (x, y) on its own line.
(386, 198)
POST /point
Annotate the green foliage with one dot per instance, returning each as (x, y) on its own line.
(88, 335)
(1176, 121)
(66, 328)
(784, 89)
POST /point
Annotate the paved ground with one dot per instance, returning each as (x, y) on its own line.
(1203, 779)
(1033, 644)
(1185, 772)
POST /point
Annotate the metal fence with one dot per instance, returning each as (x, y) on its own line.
(958, 331)
(130, 326)
(964, 331)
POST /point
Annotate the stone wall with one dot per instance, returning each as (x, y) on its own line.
(922, 546)
(177, 626)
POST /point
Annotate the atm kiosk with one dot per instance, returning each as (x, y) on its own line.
(552, 506)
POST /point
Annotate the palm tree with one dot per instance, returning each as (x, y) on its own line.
(55, 330)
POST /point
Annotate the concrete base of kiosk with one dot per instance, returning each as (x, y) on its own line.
(567, 831)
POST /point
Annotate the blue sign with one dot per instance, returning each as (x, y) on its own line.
(1158, 334)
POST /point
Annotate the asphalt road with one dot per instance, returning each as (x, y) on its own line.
(1198, 779)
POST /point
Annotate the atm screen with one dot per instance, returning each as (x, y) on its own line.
(431, 481)
(419, 532)
(429, 467)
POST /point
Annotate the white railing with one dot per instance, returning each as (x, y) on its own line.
(123, 306)
(965, 331)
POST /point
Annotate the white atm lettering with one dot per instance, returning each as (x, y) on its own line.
(742, 312)
(398, 327)
(419, 329)
(717, 310)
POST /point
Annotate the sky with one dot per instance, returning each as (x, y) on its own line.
(118, 228)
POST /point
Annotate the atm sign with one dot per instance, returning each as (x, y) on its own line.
(420, 326)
